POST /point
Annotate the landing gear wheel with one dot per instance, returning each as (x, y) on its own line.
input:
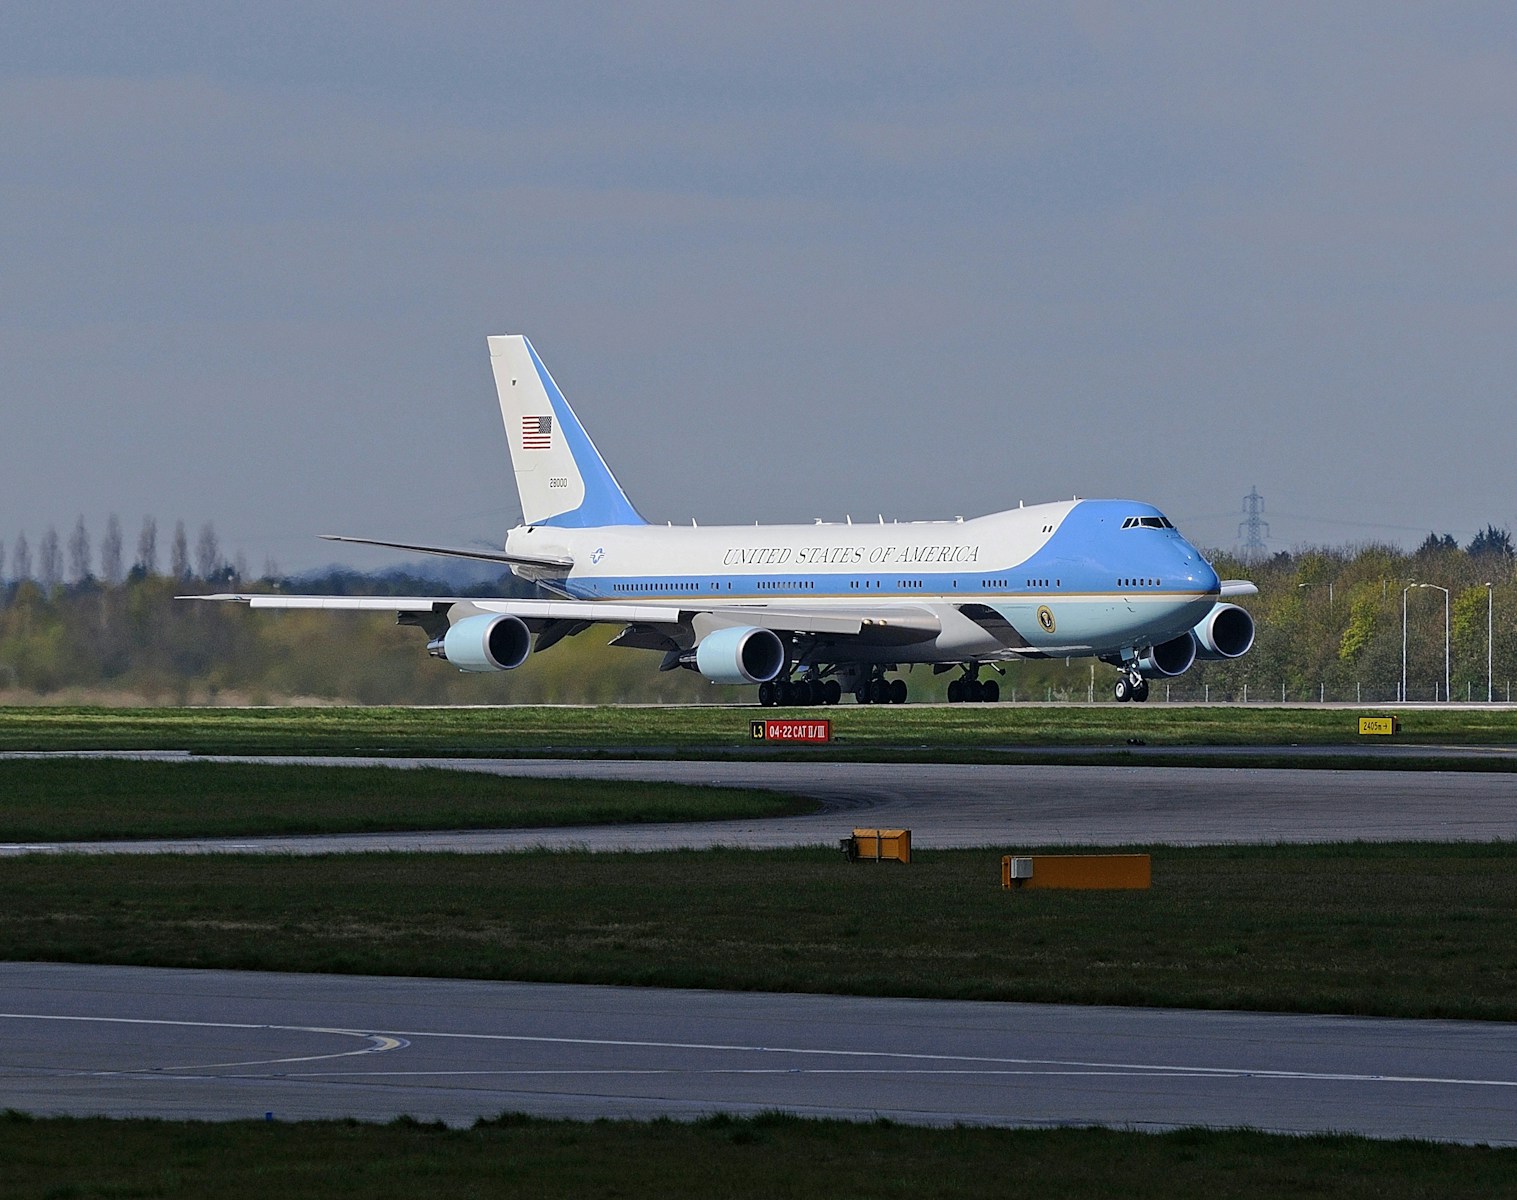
(832, 692)
(955, 691)
(766, 694)
(898, 691)
(1123, 690)
(879, 691)
(992, 692)
(784, 694)
(1140, 693)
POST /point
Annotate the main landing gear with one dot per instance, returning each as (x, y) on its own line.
(969, 688)
(880, 690)
(793, 693)
(1131, 685)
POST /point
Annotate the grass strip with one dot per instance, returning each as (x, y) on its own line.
(924, 733)
(76, 799)
(766, 1156)
(1390, 930)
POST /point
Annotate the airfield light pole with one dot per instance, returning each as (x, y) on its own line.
(1489, 626)
(1329, 590)
(1404, 591)
(1445, 591)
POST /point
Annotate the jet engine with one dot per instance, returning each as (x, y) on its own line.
(745, 654)
(1170, 658)
(485, 643)
(1225, 632)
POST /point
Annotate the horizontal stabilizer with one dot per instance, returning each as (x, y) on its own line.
(479, 553)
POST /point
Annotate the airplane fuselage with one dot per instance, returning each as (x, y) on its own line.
(1078, 577)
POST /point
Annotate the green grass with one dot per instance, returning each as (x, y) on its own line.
(916, 732)
(1396, 930)
(769, 1156)
(74, 799)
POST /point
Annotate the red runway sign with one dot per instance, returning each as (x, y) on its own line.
(792, 731)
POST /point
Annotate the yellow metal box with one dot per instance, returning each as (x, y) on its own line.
(879, 845)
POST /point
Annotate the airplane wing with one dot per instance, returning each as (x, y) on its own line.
(1238, 587)
(895, 624)
(527, 610)
(475, 552)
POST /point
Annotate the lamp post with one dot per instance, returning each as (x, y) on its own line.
(1489, 626)
(1404, 591)
(1445, 592)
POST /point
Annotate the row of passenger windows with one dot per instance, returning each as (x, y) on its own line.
(670, 587)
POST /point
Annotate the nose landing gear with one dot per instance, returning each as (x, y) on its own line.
(1131, 685)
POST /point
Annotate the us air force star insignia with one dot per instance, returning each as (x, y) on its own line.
(598, 554)
(1045, 618)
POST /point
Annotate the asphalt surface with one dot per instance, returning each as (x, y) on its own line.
(125, 1041)
(131, 1041)
(947, 805)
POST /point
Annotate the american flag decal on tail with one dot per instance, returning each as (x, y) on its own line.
(537, 433)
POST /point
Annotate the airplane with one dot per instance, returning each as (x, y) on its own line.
(808, 612)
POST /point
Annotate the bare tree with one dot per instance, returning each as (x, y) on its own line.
(79, 552)
(207, 552)
(50, 559)
(23, 559)
(110, 552)
(270, 568)
(147, 547)
(179, 553)
(239, 565)
(2, 562)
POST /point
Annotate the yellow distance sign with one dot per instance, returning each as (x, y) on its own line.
(1379, 726)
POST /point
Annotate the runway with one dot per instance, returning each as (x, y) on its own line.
(128, 1041)
(948, 806)
(124, 1041)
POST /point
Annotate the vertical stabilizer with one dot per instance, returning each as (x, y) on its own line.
(560, 476)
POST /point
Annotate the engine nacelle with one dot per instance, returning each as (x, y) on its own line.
(746, 654)
(486, 643)
(1225, 632)
(1170, 658)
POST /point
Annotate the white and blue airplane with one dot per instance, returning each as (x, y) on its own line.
(808, 612)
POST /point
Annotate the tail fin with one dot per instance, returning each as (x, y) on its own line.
(560, 476)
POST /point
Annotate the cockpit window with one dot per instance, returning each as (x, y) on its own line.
(1147, 523)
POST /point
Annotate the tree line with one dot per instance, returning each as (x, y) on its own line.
(81, 625)
(1339, 623)
(55, 562)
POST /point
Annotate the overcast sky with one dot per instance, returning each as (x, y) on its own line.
(786, 261)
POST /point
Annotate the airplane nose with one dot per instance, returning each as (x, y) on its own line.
(1197, 571)
(1209, 579)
